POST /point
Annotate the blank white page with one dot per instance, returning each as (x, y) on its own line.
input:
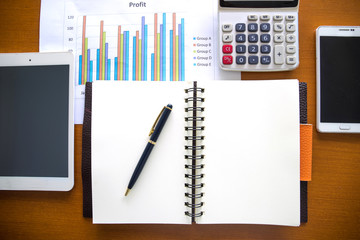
(252, 151)
(122, 116)
(252, 156)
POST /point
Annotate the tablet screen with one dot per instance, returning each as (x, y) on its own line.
(34, 108)
(340, 79)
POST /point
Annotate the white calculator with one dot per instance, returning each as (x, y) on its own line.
(258, 35)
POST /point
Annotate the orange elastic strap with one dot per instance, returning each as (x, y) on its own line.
(305, 151)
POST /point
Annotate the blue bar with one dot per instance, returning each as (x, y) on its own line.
(88, 68)
(80, 68)
(180, 60)
(161, 52)
(91, 72)
(164, 48)
(115, 69)
(106, 60)
(106, 64)
(145, 53)
(123, 63)
(142, 46)
(108, 69)
(152, 67)
(127, 56)
(97, 64)
(182, 49)
(171, 55)
(134, 59)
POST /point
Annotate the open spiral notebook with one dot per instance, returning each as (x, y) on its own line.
(239, 163)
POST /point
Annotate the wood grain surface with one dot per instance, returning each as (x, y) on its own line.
(334, 196)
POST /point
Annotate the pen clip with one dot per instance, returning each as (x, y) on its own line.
(156, 121)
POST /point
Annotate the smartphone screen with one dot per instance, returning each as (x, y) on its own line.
(340, 79)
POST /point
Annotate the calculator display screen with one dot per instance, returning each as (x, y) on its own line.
(259, 3)
(339, 79)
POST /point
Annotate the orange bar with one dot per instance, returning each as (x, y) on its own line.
(118, 53)
(101, 48)
(155, 47)
(137, 56)
(83, 51)
(174, 46)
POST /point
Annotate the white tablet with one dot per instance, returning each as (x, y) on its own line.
(338, 79)
(36, 121)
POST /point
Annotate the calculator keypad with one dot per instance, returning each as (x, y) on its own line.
(260, 42)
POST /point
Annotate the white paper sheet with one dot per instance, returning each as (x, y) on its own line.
(61, 30)
(122, 116)
(252, 153)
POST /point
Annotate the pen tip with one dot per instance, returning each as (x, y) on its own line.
(127, 192)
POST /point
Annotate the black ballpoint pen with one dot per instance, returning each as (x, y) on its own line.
(154, 134)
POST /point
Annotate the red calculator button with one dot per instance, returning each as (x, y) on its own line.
(227, 48)
(227, 60)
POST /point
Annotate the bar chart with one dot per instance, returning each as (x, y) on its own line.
(115, 41)
(131, 47)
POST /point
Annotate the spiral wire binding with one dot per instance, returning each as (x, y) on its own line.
(194, 99)
(200, 166)
(195, 89)
(194, 151)
(194, 137)
(195, 157)
(200, 147)
(188, 109)
(189, 205)
(194, 128)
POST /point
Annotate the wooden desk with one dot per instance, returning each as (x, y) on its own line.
(334, 196)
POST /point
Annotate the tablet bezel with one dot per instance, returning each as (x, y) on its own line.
(332, 31)
(45, 183)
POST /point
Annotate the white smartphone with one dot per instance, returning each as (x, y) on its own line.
(338, 79)
(258, 36)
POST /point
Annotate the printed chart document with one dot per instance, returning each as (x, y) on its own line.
(153, 40)
(251, 162)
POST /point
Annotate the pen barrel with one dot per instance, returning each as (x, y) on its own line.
(140, 165)
(161, 123)
(150, 145)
